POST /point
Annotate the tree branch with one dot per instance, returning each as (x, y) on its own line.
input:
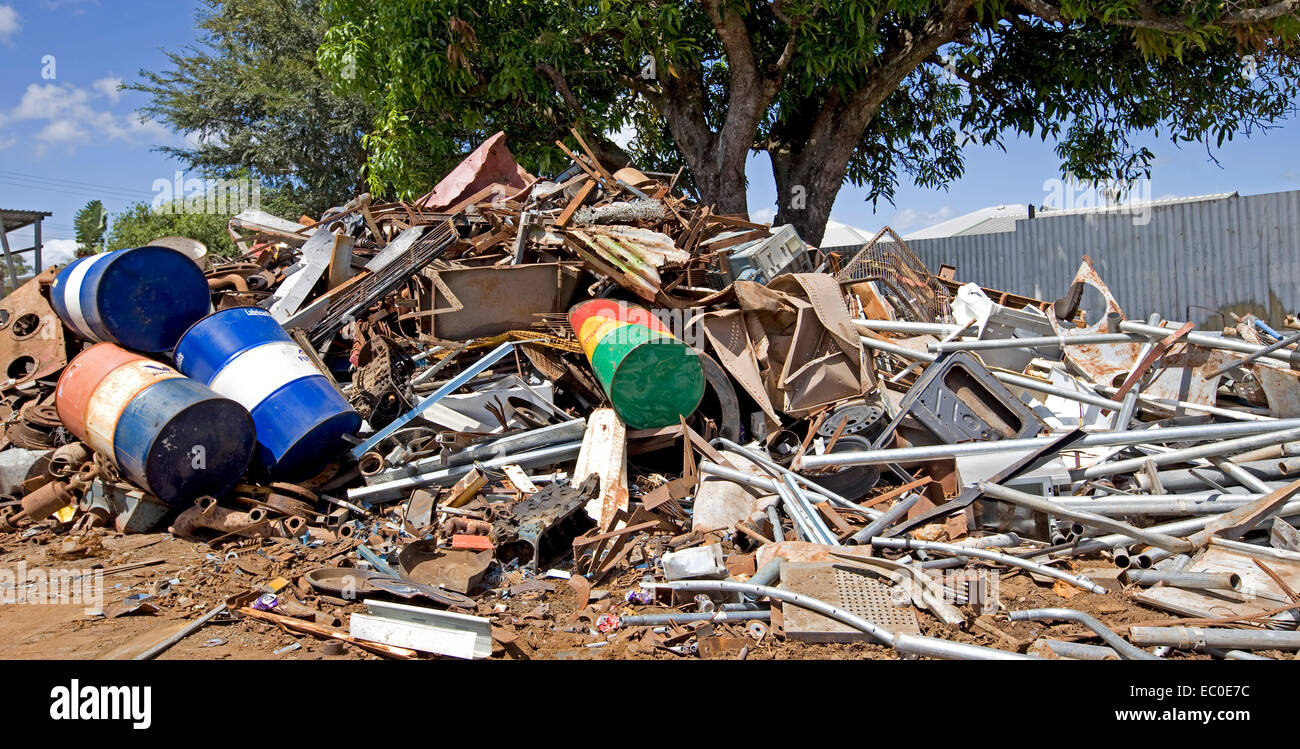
(1150, 18)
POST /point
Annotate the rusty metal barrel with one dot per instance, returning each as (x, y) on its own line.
(651, 377)
(168, 434)
(141, 298)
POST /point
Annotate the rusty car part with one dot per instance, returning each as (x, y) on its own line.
(32, 343)
(541, 528)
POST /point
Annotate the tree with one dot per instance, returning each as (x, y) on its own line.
(863, 91)
(139, 225)
(252, 97)
(90, 222)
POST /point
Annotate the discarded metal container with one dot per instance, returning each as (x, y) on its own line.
(167, 433)
(141, 299)
(651, 377)
(244, 354)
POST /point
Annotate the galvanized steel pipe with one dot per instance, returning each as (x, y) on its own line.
(1210, 341)
(1095, 439)
(1040, 504)
(1028, 383)
(1190, 453)
(1217, 637)
(1121, 646)
(992, 556)
(1187, 580)
(988, 344)
(891, 516)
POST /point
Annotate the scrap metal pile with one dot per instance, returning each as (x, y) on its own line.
(585, 405)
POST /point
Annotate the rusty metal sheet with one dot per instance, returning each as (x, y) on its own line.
(1183, 375)
(32, 345)
(481, 302)
(1281, 387)
(1100, 362)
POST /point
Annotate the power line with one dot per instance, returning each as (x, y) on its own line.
(60, 181)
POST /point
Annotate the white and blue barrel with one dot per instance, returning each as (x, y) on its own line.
(142, 299)
(245, 355)
(167, 433)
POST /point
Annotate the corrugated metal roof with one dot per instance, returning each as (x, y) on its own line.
(1188, 259)
(15, 219)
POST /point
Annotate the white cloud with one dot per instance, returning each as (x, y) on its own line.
(910, 217)
(623, 138)
(763, 215)
(58, 251)
(7, 142)
(108, 86)
(71, 115)
(62, 132)
(9, 23)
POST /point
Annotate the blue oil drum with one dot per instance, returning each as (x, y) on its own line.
(167, 433)
(244, 354)
(141, 299)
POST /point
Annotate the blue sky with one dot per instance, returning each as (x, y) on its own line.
(72, 137)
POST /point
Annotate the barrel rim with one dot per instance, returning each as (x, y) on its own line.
(213, 314)
(217, 369)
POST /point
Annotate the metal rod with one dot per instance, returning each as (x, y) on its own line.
(1081, 651)
(1177, 527)
(1121, 646)
(1173, 404)
(189, 629)
(1167, 505)
(1028, 383)
(1186, 580)
(992, 556)
(451, 386)
(1096, 439)
(1058, 341)
(772, 466)
(654, 620)
(447, 476)
(907, 644)
(1216, 637)
(891, 516)
(1183, 479)
(1293, 338)
(1207, 340)
(1189, 453)
(1041, 504)
(904, 326)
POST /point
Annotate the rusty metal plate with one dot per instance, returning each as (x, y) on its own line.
(1282, 389)
(32, 345)
(1100, 362)
(466, 303)
(1182, 375)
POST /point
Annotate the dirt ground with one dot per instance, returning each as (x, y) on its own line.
(187, 578)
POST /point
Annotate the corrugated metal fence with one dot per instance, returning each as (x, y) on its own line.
(1189, 261)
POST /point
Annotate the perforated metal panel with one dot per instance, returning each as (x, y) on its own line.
(857, 593)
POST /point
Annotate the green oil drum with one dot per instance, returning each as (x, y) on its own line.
(651, 377)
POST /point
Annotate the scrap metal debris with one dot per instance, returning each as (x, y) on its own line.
(579, 413)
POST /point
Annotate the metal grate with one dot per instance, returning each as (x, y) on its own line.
(871, 599)
(915, 293)
(866, 596)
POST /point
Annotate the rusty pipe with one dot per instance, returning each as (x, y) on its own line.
(230, 279)
(207, 514)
